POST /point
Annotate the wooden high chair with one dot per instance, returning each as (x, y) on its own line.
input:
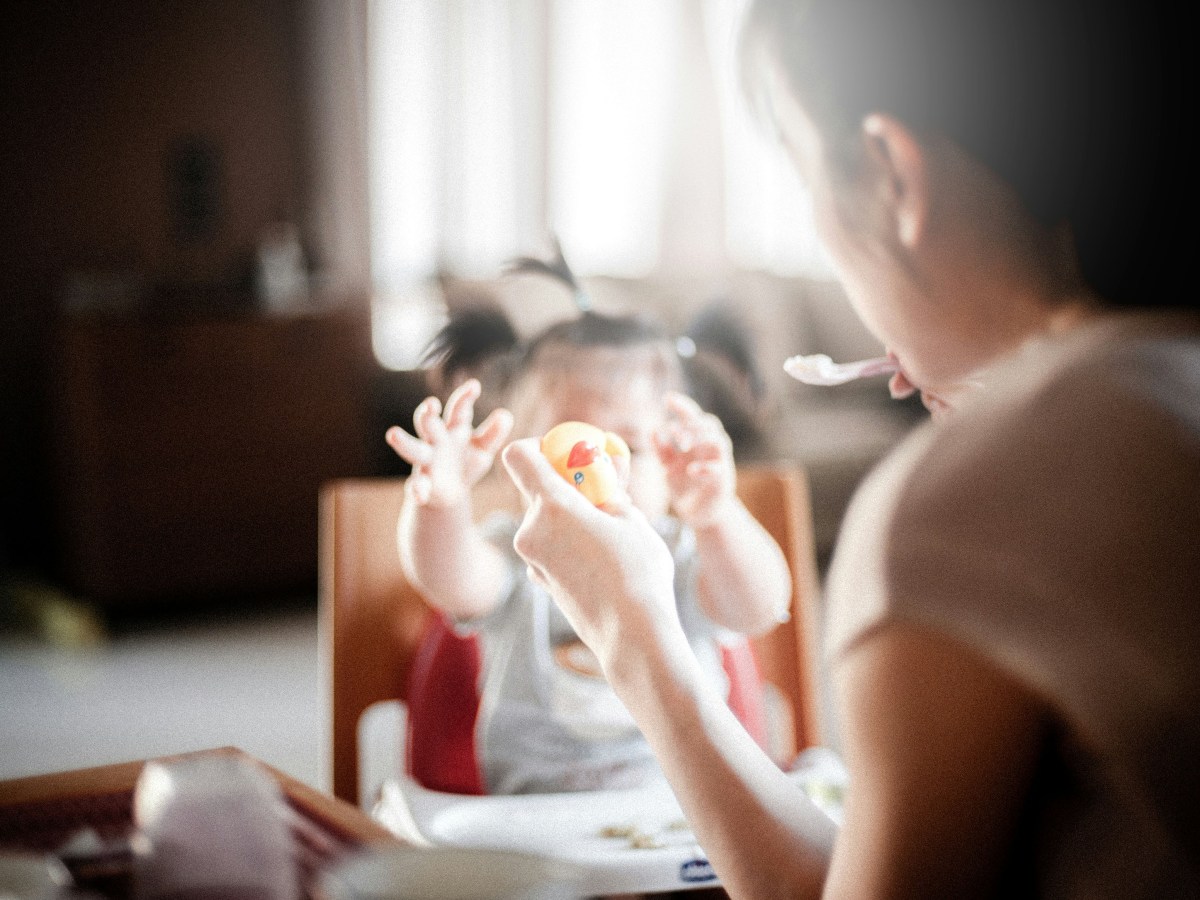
(372, 621)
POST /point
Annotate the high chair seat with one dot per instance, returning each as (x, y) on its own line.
(380, 640)
(621, 841)
(614, 841)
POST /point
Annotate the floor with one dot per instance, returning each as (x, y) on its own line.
(151, 688)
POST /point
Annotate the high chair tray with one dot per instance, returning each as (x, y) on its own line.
(623, 841)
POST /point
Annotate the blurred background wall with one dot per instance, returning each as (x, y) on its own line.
(198, 280)
(148, 148)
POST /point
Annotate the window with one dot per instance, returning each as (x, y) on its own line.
(494, 122)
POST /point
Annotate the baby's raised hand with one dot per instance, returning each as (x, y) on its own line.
(698, 457)
(447, 455)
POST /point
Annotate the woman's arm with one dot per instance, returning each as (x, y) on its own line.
(761, 832)
(941, 748)
(612, 576)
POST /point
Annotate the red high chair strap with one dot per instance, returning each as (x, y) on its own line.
(443, 702)
(745, 688)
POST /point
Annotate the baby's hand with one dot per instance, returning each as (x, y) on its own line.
(447, 456)
(698, 457)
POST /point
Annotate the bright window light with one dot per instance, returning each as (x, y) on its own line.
(493, 123)
(612, 74)
(768, 212)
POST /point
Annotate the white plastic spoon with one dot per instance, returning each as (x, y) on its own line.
(820, 369)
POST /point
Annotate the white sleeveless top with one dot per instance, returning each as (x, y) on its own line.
(548, 721)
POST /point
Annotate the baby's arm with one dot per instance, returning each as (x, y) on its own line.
(443, 554)
(743, 580)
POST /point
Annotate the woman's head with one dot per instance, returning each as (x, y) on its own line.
(1029, 139)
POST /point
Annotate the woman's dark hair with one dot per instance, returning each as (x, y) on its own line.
(1079, 105)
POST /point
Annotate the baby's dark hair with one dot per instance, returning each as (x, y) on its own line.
(481, 340)
(593, 329)
(475, 338)
(714, 360)
(589, 329)
(724, 377)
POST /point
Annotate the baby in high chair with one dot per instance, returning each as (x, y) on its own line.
(548, 720)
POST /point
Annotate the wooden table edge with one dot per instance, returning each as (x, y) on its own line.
(348, 821)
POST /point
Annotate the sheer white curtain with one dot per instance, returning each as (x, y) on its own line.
(616, 125)
(455, 149)
(612, 75)
(768, 214)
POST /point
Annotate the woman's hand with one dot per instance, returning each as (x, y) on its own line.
(613, 577)
(447, 456)
(607, 568)
(698, 457)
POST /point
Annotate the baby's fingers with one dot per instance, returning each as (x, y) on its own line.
(427, 420)
(707, 451)
(407, 447)
(460, 405)
(705, 469)
(419, 487)
(683, 406)
(687, 417)
(493, 431)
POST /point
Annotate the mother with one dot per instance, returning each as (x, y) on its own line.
(1014, 603)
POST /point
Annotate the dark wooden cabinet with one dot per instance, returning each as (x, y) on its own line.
(190, 453)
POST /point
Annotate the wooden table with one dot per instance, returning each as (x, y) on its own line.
(41, 812)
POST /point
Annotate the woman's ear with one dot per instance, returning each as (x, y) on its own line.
(900, 162)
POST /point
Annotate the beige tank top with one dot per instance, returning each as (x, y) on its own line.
(1054, 527)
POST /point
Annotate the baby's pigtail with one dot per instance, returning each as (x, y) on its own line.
(476, 342)
(555, 268)
(723, 376)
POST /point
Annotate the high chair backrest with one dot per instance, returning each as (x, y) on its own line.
(373, 623)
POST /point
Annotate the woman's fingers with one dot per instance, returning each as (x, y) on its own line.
(533, 475)
(537, 576)
(537, 480)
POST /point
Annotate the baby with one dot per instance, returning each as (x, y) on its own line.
(548, 721)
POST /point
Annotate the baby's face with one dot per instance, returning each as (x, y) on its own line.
(627, 403)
